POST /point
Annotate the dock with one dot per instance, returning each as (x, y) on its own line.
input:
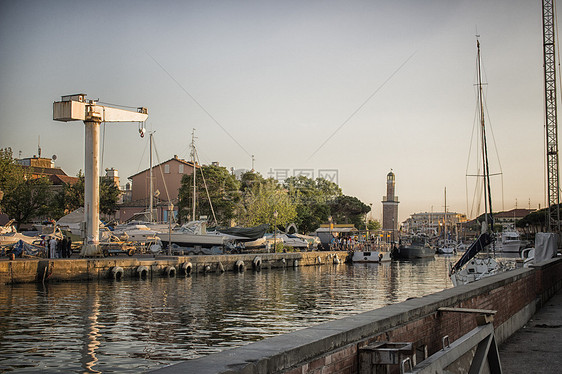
(536, 347)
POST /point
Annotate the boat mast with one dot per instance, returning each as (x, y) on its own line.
(150, 203)
(194, 169)
(487, 190)
(445, 219)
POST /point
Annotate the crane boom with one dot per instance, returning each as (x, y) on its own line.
(552, 162)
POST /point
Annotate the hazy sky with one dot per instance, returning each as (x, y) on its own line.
(281, 77)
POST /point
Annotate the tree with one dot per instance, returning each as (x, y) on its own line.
(29, 200)
(223, 192)
(11, 174)
(71, 197)
(349, 209)
(312, 199)
(373, 225)
(262, 200)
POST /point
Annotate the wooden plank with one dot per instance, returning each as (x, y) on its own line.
(467, 310)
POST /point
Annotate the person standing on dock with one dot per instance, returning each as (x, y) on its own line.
(69, 247)
(64, 250)
(53, 247)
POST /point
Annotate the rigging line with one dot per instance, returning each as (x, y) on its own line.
(117, 105)
(362, 105)
(161, 172)
(206, 189)
(198, 104)
(142, 156)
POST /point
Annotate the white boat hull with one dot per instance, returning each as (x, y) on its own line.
(192, 240)
(370, 256)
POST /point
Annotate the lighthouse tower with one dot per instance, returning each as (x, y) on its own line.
(390, 206)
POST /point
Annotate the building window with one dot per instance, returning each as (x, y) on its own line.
(167, 169)
(181, 169)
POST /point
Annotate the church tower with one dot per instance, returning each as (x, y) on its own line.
(390, 206)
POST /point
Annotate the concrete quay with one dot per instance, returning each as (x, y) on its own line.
(537, 346)
(121, 267)
(336, 346)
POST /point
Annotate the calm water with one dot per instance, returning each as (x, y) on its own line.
(136, 325)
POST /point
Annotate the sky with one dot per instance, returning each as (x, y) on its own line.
(348, 89)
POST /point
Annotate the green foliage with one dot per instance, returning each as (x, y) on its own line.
(262, 201)
(373, 225)
(11, 174)
(349, 209)
(224, 194)
(312, 199)
(71, 197)
(30, 199)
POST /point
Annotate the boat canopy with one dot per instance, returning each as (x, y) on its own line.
(483, 240)
(250, 233)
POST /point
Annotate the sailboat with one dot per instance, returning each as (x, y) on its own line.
(194, 233)
(448, 246)
(469, 268)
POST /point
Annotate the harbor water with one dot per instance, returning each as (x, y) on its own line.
(138, 325)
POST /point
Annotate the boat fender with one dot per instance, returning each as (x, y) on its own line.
(170, 271)
(131, 252)
(220, 267)
(142, 271)
(318, 260)
(295, 263)
(256, 264)
(284, 261)
(186, 268)
(336, 260)
(206, 269)
(380, 257)
(239, 266)
(117, 272)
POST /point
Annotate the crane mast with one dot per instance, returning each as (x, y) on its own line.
(553, 219)
(77, 108)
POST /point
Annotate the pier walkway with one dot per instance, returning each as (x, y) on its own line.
(536, 347)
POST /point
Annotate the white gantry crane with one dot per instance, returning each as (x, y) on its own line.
(77, 108)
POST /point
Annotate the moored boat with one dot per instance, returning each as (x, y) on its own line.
(416, 246)
(370, 256)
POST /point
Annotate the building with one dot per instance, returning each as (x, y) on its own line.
(390, 207)
(510, 217)
(433, 223)
(39, 167)
(166, 181)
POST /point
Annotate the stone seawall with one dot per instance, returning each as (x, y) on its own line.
(59, 270)
(333, 347)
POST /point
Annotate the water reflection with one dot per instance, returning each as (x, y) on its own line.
(136, 325)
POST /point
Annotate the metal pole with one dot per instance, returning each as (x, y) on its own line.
(91, 189)
(150, 204)
(170, 212)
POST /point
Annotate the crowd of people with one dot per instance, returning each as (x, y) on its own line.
(58, 248)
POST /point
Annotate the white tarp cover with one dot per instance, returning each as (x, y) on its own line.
(546, 246)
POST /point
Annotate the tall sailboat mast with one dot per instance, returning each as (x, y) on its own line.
(151, 195)
(487, 189)
(194, 170)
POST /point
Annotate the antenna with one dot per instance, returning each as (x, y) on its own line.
(253, 161)
(39, 146)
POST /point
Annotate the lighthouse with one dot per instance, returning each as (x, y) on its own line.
(390, 207)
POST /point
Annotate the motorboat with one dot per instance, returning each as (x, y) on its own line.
(510, 240)
(416, 246)
(447, 247)
(193, 234)
(370, 256)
